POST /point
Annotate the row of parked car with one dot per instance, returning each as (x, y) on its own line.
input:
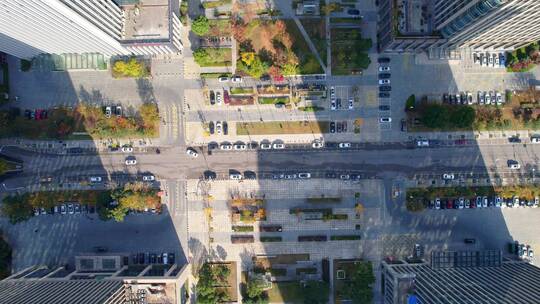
(482, 202)
(467, 98)
(492, 60)
(240, 146)
(112, 110)
(384, 81)
(143, 258)
(218, 127)
(37, 114)
(216, 98)
(66, 208)
(522, 250)
(335, 103)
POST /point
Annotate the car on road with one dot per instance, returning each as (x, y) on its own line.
(384, 81)
(384, 75)
(448, 176)
(95, 179)
(130, 161)
(317, 144)
(384, 95)
(127, 149)
(148, 178)
(266, 146)
(384, 69)
(226, 146)
(385, 88)
(513, 164)
(332, 127)
(384, 108)
(236, 79)
(219, 127)
(278, 146)
(209, 175)
(383, 60)
(344, 145)
(304, 175)
(385, 119)
(235, 176)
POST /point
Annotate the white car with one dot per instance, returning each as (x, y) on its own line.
(127, 149)
(437, 203)
(240, 147)
(95, 179)
(266, 146)
(488, 97)
(235, 176)
(223, 79)
(226, 147)
(384, 68)
(385, 119)
(191, 152)
(236, 79)
(108, 112)
(304, 175)
(351, 103)
(498, 98)
(333, 105)
(422, 143)
(384, 81)
(344, 145)
(317, 145)
(448, 176)
(148, 178)
(131, 161)
(496, 57)
(333, 92)
(476, 58)
(219, 127)
(218, 98)
(535, 139)
(278, 146)
(514, 165)
(490, 60)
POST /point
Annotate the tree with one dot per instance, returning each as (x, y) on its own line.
(206, 290)
(5, 257)
(131, 68)
(289, 69)
(247, 57)
(410, 103)
(358, 289)
(201, 56)
(316, 292)
(200, 26)
(434, 116)
(16, 208)
(254, 292)
(510, 59)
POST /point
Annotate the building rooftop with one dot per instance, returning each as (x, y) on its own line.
(148, 20)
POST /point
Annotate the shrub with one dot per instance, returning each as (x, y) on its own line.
(410, 104)
(242, 228)
(200, 26)
(130, 68)
(25, 65)
(268, 239)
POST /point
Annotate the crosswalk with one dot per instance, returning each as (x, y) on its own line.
(171, 124)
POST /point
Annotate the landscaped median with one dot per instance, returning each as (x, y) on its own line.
(90, 120)
(273, 100)
(213, 57)
(110, 204)
(282, 127)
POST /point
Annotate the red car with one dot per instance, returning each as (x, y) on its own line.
(38, 114)
(226, 98)
(449, 204)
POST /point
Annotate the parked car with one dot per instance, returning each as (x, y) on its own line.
(385, 119)
(514, 139)
(212, 98)
(317, 144)
(211, 127)
(225, 128)
(219, 128)
(384, 75)
(108, 112)
(278, 146)
(131, 160)
(236, 79)
(148, 178)
(304, 175)
(513, 164)
(266, 146)
(250, 174)
(351, 104)
(235, 176)
(223, 79)
(95, 179)
(385, 88)
(226, 146)
(383, 60)
(384, 81)
(384, 69)
(218, 98)
(470, 241)
(535, 139)
(239, 146)
(127, 149)
(118, 111)
(333, 127)
(344, 145)
(448, 176)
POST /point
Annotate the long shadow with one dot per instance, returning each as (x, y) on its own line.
(63, 164)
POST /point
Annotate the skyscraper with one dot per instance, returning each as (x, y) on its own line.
(32, 27)
(450, 24)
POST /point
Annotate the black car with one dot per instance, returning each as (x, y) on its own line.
(225, 128)
(338, 103)
(355, 176)
(265, 77)
(470, 241)
(385, 88)
(445, 98)
(211, 127)
(332, 127)
(209, 175)
(384, 75)
(28, 114)
(514, 139)
(344, 126)
(338, 128)
(171, 258)
(384, 108)
(331, 145)
(135, 258)
(383, 60)
(384, 95)
(212, 98)
(153, 258)
(140, 258)
(353, 12)
(250, 175)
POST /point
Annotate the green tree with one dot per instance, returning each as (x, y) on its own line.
(316, 292)
(200, 26)
(462, 117)
(254, 292)
(16, 208)
(5, 258)
(531, 48)
(206, 290)
(201, 56)
(434, 116)
(358, 289)
(289, 69)
(410, 103)
(510, 59)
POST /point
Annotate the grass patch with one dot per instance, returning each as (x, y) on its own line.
(244, 90)
(216, 3)
(212, 57)
(219, 28)
(273, 100)
(242, 228)
(349, 51)
(311, 108)
(270, 239)
(286, 292)
(345, 237)
(281, 127)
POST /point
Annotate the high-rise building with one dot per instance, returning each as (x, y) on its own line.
(97, 280)
(120, 27)
(474, 277)
(417, 25)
